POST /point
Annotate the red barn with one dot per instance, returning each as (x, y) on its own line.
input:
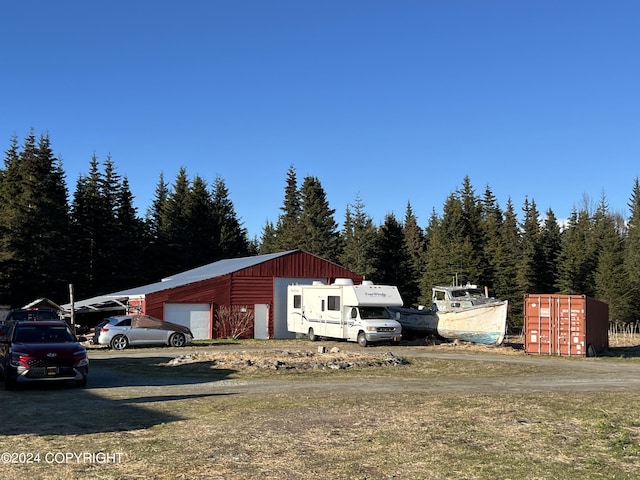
(256, 286)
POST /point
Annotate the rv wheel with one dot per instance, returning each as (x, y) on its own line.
(312, 336)
(362, 339)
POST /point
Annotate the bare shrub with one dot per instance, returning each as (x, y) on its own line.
(624, 333)
(233, 322)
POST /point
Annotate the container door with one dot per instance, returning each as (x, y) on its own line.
(555, 325)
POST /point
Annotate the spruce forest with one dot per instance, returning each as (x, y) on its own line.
(95, 239)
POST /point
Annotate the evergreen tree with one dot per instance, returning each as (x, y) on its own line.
(464, 264)
(232, 238)
(414, 240)
(53, 225)
(88, 214)
(112, 234)
(359, 237)
(157, 250)
(550, 247)
(110, 185)
(132, 243)
(393, 263)
(576, 260)
(289, 229)
(632, 253)
(473, 232)
(202, 243)
(34, 223)
(437, 270)
(320, 229)
(108, 237)
(530, 251)
(268, 240)
(156, 212)
(175, 226)
(492, 221)
(610, 276)
(463, 241)
(507, 265)
(9, 193)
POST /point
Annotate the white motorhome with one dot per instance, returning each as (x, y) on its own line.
(343, 310)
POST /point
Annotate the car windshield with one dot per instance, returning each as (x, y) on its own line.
(374, 312)
(43, 334)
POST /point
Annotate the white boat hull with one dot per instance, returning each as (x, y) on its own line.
(485, 324)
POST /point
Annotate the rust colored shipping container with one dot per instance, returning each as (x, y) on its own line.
(568, 325)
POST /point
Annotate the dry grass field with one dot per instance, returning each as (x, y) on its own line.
(283, 410)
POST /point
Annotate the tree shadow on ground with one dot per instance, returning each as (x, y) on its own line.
(632, 351)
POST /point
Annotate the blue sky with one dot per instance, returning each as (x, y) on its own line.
(389, 101)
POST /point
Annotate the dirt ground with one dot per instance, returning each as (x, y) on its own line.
(301, 410)
(533, 373)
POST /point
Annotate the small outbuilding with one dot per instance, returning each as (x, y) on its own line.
(214, 299)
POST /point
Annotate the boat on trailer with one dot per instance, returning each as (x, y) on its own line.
(464, 313)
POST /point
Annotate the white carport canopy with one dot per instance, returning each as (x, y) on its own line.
(104, 303)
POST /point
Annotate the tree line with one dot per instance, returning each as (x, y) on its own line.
(95, 239)
(596, 253)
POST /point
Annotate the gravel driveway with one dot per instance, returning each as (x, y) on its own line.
(559, 374)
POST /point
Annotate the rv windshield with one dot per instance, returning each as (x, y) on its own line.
(374, 312)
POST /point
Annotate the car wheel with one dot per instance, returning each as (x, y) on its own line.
(312, 336)
(177, 340)
(362, 339)
(119, 342)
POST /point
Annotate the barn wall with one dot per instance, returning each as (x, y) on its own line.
(215, 290)
(251, 290)
(298, 264)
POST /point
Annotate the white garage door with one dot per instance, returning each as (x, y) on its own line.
(196, 316)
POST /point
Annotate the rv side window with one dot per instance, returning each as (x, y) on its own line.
(333, 303)
(297, 301)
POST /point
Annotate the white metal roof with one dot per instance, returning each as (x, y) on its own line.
(118, 300)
